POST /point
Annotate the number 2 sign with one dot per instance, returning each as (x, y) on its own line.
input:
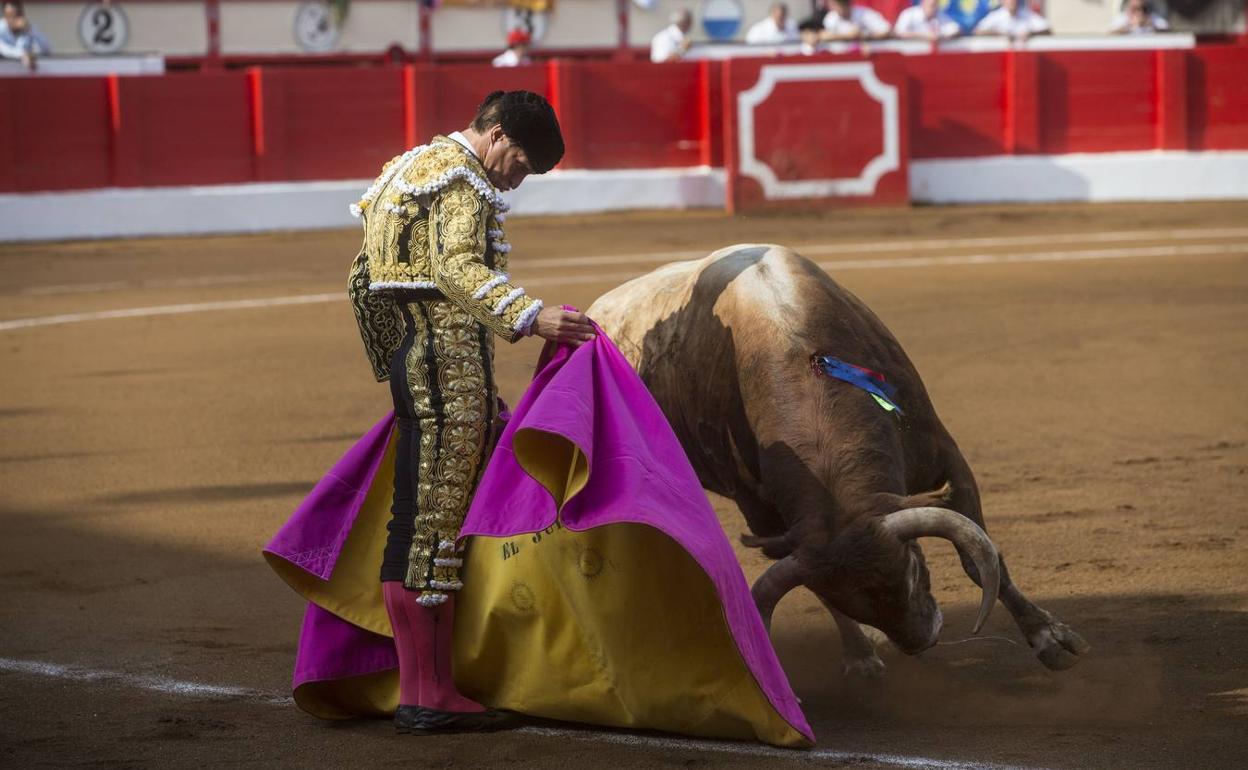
(103, 28)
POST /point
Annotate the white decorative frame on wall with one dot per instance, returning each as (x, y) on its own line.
(865, 182)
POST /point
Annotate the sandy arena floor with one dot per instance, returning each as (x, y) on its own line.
(1090, 361)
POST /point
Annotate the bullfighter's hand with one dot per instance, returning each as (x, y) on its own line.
(563, 326)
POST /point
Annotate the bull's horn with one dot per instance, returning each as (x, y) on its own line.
(772, 585)
(967, 536)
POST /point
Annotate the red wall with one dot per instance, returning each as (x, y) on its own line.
(630, 114)
(956, 105)
(275, 124)
(54, 134)
(1217, 98)
(1096, 101)
(329, 124)
(183, 127)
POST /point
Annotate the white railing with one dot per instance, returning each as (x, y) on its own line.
(68, 66)
(959, 45)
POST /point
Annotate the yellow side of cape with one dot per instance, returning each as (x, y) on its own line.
(615, 626)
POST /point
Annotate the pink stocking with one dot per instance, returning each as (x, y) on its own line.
(422, 637)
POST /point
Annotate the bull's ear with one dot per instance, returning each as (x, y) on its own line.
(866, 545)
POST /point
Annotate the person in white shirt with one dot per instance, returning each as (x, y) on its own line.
(1013, 20)
(1138, 18)
(672, 41)
(517, 53)
(18, 37)
(846, 21)
(925, 21)
(777, 28)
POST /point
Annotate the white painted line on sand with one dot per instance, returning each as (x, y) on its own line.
(1038, 256)
(200, 690)
(747, 749)
(821, 249)
(188, 307)
(156, 283)
(837, 266)
(659, 257)
(152, 683)
(572, 280)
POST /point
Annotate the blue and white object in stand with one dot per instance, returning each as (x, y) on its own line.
(721, 19)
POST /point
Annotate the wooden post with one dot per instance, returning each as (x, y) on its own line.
(409, 106)
(1170, 130)
(1022, 102)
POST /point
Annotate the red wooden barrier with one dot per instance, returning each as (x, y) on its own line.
(329, 124)
(956, 103)
(183, 127)
(445, 97)
(1217, 91)
(630, 114)
(54, 134)
(1097, 101)
(344, 123)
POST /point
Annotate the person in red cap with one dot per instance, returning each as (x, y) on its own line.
(517, 53)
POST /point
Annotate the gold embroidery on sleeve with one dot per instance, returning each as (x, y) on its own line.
(378, 318)
(458, 244)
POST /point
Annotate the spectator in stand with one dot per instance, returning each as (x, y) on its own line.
(1138, 18)
(926, 21)
(517, 53)
(846, 21)
(776, 29)
(1013, 20)
(673, 40)
(18, 37)
(810, 32)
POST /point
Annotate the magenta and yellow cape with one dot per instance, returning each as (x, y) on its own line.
(598, 585)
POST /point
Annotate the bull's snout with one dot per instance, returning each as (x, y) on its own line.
(923, 637)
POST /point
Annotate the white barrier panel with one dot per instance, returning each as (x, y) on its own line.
(81, 66)
(1103, 177)
(1094, 177)
(250, 208)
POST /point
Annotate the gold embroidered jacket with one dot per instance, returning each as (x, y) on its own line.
(433, 221)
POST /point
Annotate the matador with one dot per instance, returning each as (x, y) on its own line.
(430, 290)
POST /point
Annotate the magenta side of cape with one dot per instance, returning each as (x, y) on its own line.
(313, 536)
(638, 473)
(329, 647)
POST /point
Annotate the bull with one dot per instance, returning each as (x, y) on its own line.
(834, 488)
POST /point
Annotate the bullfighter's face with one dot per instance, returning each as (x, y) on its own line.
(505, 161)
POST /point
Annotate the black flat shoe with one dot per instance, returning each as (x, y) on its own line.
(422, 721)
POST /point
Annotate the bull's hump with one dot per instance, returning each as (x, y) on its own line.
(767, 286)
(758, 284)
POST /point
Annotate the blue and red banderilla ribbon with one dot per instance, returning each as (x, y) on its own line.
(860, 377)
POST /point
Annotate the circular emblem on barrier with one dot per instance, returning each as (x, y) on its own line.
(721, 19)
(533, 22)
(316, 26)
(103, 29)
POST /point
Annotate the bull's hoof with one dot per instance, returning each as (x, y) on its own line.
(1057, 645)
(869, 667)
